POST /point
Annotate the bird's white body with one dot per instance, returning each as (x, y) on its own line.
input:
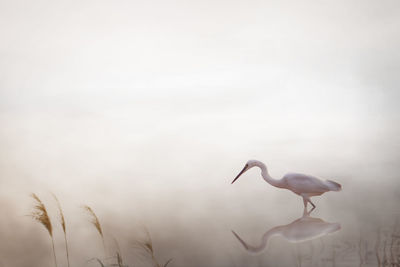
(303, 185)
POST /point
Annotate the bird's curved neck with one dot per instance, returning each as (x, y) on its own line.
(264, 240)
(267, 177)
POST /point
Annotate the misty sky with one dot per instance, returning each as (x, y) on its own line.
(146, 110)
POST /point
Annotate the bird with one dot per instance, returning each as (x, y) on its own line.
(304, 185)
(303, 229)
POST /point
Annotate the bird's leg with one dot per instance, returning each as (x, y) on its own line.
(306, 199)
(305, 203)
(307, 212)
(311, 210)
(309, 200)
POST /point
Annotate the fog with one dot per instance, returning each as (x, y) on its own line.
(146, 111)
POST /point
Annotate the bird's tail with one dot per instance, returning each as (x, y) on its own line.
(333, 185)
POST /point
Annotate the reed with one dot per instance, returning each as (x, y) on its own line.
(62, 222)
(119, 260)
(119, 256)
(40, 214)
(99, 261)
(147, 245)
(96, 223)
(377, 248)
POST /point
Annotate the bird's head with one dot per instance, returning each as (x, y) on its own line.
(250, 164)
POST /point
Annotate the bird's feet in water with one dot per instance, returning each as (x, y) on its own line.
(307, 213)
(306, 200)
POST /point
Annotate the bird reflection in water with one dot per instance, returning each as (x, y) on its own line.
(303, 229)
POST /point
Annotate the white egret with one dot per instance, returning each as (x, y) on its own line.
(303, 229)
(303, 185)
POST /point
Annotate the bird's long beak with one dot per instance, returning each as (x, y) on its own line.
(244, 169)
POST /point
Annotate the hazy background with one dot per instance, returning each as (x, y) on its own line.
(146, 111)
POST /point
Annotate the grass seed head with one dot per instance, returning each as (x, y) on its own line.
(40, 214)
(94, 220)
(62, 219)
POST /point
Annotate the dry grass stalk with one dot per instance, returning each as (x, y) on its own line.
(167, 262)
(98, 260)
(377, 248)
(148, 247)
(119, 257)
(119, 260)
(95, 221)
(40, 214)
(62, 222)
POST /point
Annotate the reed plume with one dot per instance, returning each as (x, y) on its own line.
(62, 222)
(95, 221)
(147, 245)
(40, 214)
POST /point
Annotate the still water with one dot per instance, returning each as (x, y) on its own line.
(173, 179)
(210, 222)
(266, 226)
